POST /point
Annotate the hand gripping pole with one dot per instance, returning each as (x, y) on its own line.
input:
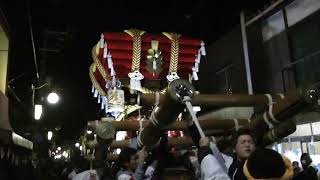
(213, 147)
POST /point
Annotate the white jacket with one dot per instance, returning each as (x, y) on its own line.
(211, 170)
(87, 175)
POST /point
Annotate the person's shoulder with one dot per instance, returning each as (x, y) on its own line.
(122, 173)
(312, 169)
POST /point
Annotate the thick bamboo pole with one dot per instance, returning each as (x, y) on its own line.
(283, 130)
(166, 112)
(207, 124)
(220, 100)
(285, 108)
(172, 142)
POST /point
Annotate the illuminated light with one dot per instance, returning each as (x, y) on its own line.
(65, 154)
(59, 148)
(53, 98)
(50, 135)
(77, 144)
(121, 135)
(118, 151)
(89, 132)
(80, 147)
(37, 111)
(196, 108)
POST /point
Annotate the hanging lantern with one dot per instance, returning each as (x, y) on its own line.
(115, 101)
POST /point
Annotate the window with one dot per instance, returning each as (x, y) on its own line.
(302, 130)
(272, 26)
(298, 10)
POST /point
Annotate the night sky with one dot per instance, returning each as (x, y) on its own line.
(83, 22)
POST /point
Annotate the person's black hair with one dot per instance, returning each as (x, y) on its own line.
(125, 155)
(266, 163)
(306, 157)
(240, 132)
(295, 162)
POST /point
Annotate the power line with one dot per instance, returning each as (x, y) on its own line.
(32, 41)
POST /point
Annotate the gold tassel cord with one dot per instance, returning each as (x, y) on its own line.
(102, 70)
(148, 91)
(94, 81)
(136, 55)
(174, 56)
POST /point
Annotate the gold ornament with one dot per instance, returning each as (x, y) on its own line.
(154, 58)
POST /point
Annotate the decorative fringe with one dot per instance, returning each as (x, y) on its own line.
(105, 50)
(203, 49)
(99, 99)
(195, 74)
(101, 40)
(109, 60)
(198, 57)
(102, 103)
(95, 93)
(196, 67)
(92, 90)
(113, 73)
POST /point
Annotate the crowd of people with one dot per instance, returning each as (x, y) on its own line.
(245, 161)
(242, 158)
(237, 158)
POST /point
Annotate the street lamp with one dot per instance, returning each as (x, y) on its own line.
(37, 111)
(53, 98)
(50, 135)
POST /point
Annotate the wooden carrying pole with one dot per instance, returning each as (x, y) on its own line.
(282, 130)
(220, 100)
(206, 124)
(172, 142)
(166, 112)
(285, 108)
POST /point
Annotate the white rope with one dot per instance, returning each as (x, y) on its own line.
(281, 95)
(140, 121)
(138, 98)
(157, 99)
(272, 116)
(140, 144)
(153, 118)
(266, 120)
(236, 124)
(213, 146)
(270, 103)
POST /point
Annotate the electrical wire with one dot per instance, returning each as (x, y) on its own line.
(32, 41)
